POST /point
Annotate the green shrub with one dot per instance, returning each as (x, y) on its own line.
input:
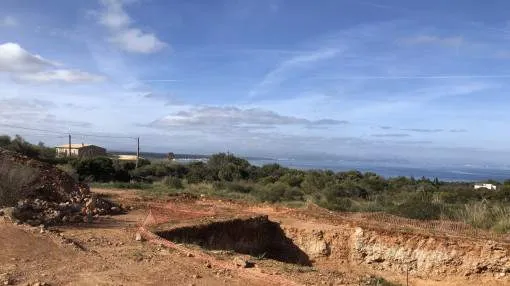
(173, 182)
(230, 172)
(198, 173)
(239, 187)
(293, 179)
(418, 209)
(271, 192)
(460, 195)
(99, 169)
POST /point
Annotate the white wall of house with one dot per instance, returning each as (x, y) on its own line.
(486, 186)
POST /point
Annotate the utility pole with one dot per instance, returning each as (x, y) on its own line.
(69, 155)
(137, 151)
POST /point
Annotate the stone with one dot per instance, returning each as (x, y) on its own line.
(138, 237)
(239, 262)
(208, 264)
(8, 213)
(189, 254)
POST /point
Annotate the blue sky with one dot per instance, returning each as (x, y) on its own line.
(424, 81)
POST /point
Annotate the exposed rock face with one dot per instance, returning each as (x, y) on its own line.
(38, 193)
(423, 256)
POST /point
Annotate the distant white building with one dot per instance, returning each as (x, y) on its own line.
(486, 186)
(80, 150)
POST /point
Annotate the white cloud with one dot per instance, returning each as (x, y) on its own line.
(425, 39)
(113, 16)
(123, 34)
(227, 118)
(8, 21)
(278, 74)
(23, 66)
(134, 40)
(66, 76)
(14, 58)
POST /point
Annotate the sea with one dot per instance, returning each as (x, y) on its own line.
(443, 173)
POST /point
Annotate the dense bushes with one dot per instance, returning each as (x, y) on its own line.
(39, 151)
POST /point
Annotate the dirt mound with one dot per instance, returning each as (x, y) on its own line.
(38, 193)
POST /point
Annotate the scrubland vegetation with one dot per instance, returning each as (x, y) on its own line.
(225, 175)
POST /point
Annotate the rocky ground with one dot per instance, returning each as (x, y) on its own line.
(37, 193)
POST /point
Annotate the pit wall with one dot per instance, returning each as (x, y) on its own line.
(423, 256)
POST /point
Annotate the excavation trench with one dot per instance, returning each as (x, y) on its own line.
(256, 236)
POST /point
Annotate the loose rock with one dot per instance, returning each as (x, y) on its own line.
(239, 262)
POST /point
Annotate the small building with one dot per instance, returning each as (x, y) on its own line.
(128, 158)
(80, 150)
(486, 186)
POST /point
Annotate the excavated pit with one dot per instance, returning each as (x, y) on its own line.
(256, 236)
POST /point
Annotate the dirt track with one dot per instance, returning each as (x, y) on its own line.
(105, 252)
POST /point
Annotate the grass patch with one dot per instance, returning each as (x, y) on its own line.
(483, 215)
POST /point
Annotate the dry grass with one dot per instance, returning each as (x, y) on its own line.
(483, 215)
(13, 180)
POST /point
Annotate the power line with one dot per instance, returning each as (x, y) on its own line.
(32, 129)
(65, 133)
(103, 136)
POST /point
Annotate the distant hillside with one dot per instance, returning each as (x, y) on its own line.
(151, 155)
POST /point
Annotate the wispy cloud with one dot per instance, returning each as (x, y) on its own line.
(395, 135)
(8, 21)
(228, 118)
(279, 74)
(385, 127)
(433, 40)
(63, 76)
(422, 130)
(33, 113)
(123, 33)
(458, 130)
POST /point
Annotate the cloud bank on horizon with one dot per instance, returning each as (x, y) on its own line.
(370, 80)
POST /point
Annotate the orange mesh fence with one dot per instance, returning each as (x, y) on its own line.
(160, 214)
